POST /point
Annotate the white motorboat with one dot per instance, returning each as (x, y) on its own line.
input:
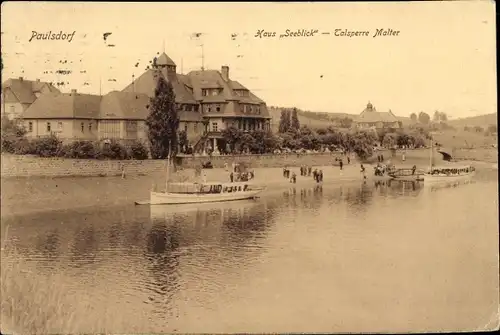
(448, 171)
(189, 193)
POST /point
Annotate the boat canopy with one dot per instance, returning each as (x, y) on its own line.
(447, 156)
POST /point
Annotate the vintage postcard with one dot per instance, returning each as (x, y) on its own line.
(270, 167)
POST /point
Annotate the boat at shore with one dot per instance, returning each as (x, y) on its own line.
(189, 193)
(449, 171)
(204, 192)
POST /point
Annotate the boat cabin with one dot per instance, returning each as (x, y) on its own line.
(209, 188)
(452, 171)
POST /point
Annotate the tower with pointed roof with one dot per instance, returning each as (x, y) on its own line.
(165, 62)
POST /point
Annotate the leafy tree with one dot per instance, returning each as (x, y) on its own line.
(162, 121)
(437, 116)
(443, 117)
(138, 150)
(363, 144)
(413, 117)
(284, 125)
(49, 146)
(294, 120)
(389, 140)
(183, 140)
(424, 118)
(492, 129)
(232, 136)
(12, 132)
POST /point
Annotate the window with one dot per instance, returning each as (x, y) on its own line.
(195, 126)
(82, 125)
(189, 108)
(209, 109)
(251, 109)
(204, 92)
(48, 127)
(90, 126)
(59, 126)
(242, 108)
(196, 108)
(214, 126)
(30, 126)
(217, 108)
(185, 127)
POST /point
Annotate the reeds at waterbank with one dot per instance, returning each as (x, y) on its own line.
(34, 303)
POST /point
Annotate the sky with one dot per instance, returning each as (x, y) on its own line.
(443, 57)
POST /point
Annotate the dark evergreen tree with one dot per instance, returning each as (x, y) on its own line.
(284, 125)
(294, 121)
(163, 121)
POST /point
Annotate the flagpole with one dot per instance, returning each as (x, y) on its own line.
(168, 167)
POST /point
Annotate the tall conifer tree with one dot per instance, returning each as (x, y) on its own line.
(163, 121)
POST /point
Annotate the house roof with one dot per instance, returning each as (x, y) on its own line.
(24, 90)
(164, 60)
(190, 116)
(370, 114)
(124, 106)
(146, 84)
(64, 105)
(213, 79)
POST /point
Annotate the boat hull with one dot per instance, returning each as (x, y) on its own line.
(162, 198)
(432, 179)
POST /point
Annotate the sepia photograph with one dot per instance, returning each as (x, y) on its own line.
(240, 167)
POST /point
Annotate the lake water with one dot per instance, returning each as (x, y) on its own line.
(358, 257)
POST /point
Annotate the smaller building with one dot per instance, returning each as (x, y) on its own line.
(19, 94)
(370, 118)
(75, 116)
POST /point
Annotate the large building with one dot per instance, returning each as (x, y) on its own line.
(75, 116)
(18, 95)
(208, 101)
(370, 118)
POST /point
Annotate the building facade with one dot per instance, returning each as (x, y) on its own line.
(370, 118)
(208, 101)
(75, 116)
(18, 94)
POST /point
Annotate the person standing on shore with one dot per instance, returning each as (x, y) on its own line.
(348, 160)
(363, 171)
(231, 176)
(341, 164)
(309, 170)
(320, 176)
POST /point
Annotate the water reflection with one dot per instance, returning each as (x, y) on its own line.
(359, 247)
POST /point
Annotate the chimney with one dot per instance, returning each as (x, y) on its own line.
(225, 72)
(21, 78)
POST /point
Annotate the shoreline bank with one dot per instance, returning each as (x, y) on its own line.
(23, 196)
(14, 166)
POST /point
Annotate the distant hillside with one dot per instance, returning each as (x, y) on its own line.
(480, 120)
(310, 119)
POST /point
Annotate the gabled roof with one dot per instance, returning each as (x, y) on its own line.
(24, 90)
(64, 105)
(370, 114)
(213, 79)
(146, 84)
(124, 106)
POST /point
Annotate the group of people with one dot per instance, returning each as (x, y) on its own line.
(305, 171)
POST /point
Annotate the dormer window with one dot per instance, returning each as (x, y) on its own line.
(204, 92)
(217, 108)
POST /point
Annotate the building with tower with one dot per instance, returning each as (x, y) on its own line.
(208, 102)
(370, 118)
